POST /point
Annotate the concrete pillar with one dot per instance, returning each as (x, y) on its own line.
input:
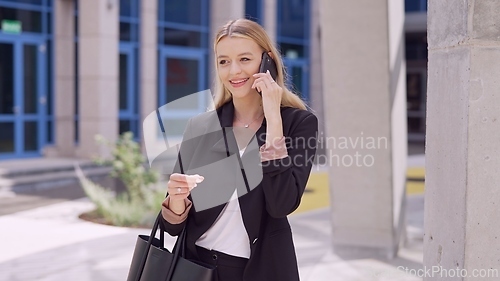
(362, 45)
(315, 68)
(148, 59)
(221, 11)
(270, 17)
(64, 94)
(98, 70)
(462, 197)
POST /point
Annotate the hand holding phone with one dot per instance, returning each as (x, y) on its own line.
(266, 64)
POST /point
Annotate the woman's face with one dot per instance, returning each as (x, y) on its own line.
(237, 60)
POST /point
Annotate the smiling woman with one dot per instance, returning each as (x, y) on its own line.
(248, 237)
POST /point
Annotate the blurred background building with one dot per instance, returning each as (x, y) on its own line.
(71, 69)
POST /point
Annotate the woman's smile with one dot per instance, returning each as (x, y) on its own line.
(238, 82)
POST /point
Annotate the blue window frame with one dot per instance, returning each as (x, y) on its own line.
(26, 115)
(128, 67)
(253, 10)
(183, 45)
(294, 41)
(183, 23)
(24, 102)
(129, 20)
(415, 6)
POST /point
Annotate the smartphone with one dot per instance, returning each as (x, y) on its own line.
(268, 63)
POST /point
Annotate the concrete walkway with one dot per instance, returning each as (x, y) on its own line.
(50, 243)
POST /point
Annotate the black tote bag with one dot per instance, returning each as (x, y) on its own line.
(152, 262)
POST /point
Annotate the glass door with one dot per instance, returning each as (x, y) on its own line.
(128, 100)
(22, 97)
(182, 73)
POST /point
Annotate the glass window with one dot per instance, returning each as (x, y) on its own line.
(34, 2)
(415, 5)
(182, 37)
(416, 46)
(49, 132)
(128, 8)
(128, 20)
(125, 34)
(7, 137)
(182, 79)
(49, 74)
(31, 136)
(292, 18)
(31, 21)
(183, 11)
(414, 91)
(30, 79)
(253, 10)
(123, 126)
(123, 82)
(6, 78)
(297, 79)
(292, 51)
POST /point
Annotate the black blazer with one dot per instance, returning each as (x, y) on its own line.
(265, 204)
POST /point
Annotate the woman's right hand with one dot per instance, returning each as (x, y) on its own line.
(180, 186)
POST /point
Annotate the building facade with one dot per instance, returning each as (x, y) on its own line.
(71, 69)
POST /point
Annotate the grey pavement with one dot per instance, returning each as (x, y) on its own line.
(50, 243)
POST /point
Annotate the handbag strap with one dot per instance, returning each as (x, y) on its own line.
(179, 246)
(153, 234)
(150, 242)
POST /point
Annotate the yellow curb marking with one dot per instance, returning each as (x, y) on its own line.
(415, 173)
(317, 193)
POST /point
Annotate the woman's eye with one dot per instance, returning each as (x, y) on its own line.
(245, 59)
(223, 62)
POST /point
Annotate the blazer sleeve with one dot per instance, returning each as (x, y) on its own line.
(284, 180)
(170, 223)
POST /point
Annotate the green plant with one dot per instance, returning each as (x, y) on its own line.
(141, 200)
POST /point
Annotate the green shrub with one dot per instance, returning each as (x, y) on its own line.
(139, 204)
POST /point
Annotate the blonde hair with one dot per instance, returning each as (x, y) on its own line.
(248, 29)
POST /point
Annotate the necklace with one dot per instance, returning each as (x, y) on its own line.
(248, 125)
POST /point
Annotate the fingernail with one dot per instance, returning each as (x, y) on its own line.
(267, 71)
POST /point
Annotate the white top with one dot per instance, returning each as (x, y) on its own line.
(228, 233)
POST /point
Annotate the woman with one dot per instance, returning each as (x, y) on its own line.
(247, 236)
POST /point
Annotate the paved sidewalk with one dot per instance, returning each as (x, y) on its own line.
(50, 243)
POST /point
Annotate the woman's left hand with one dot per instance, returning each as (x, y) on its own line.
(271, 93)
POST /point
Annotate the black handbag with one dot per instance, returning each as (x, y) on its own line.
(152, 262)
